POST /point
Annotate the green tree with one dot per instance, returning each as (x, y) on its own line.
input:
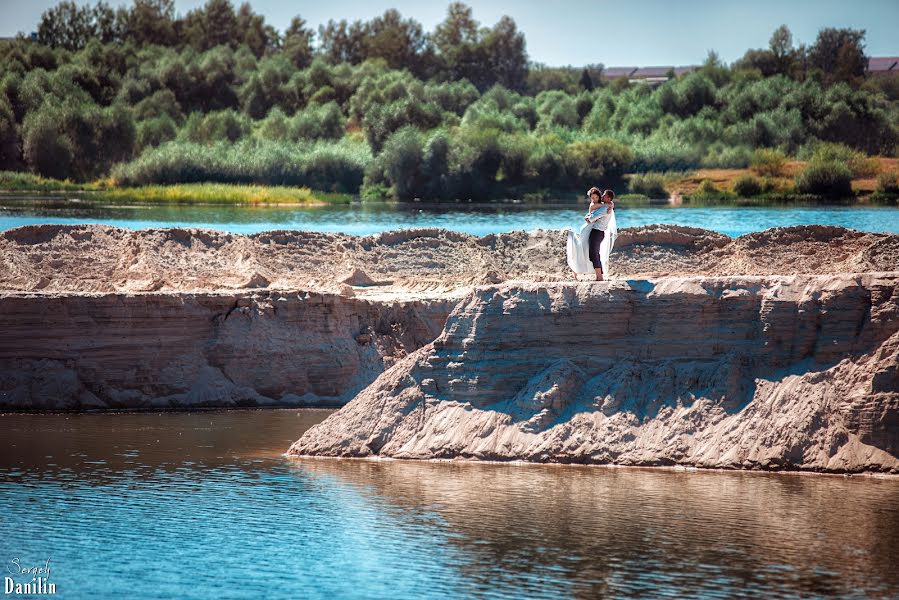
(586, 81)
(149, 22)
(298, 43)
(456, 41)
(840, 55)
(341, 42)
(398, 41)
(214, 24)
(253, 32)
(67, 25)
(9, 138)
(47, 150)
(505, 48)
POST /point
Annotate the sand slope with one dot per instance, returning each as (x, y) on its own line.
(96, 258)
(798, 372)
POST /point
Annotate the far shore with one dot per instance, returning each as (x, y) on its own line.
(697, 187)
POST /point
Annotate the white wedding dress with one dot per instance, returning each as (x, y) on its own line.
(578, 247)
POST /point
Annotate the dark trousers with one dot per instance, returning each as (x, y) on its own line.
(596, 237)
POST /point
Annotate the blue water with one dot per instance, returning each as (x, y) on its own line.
(367, 219)
(203, 505)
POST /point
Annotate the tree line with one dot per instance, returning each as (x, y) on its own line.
(384, 108)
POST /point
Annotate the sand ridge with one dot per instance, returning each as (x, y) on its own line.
(99, 258)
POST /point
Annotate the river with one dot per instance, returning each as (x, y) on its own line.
(363, 219)
(204, 505)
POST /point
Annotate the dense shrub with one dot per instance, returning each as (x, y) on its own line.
(160, 103)
(473, 161)
(599, 160)
(217, 126)
(318, 122)
(720, 156)
(515, 149)
(859, 164)
(825, 178)
(77, 140)
(326, 166)
(48, 151)
(75, 112)
(747, 186)
(651, 185)
(399, 165)
(664, 154)
(9, 137)
(155, 131)
(888, 183)
(770, 162)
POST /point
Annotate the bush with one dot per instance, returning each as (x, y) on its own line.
(651, 185)
(163, 102)
(708, 187)
(602, 159)
(473, 161)
(825, 178)
(888, 183)
(77, 140)
(399, 165)
(726, 157)
(9, 138)
(337, 167)
(708, 191)
(47, 150)
(747, 186)
(770, 162)
(662, 154)
(860, 165)
(318, 122)
(217, 126)
(155, 131)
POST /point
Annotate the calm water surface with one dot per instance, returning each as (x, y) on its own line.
(203, 505)
(478, 220)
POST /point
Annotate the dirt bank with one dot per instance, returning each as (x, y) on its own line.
(778, 372)
(96, 258)
(183, 350)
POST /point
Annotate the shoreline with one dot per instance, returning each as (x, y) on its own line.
(610, 466)
(681, 189)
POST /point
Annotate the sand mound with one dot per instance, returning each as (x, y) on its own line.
(98, 258)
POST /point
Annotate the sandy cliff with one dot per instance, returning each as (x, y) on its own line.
(201, 349)
(734, 372)
(777, 349)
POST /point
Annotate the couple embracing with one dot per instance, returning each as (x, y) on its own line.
(588, 251)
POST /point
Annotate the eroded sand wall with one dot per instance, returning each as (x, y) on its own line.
(227, 349)
(759, 372)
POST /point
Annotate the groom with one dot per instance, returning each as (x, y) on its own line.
(598, 213)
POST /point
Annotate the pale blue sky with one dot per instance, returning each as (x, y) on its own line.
(559, 32)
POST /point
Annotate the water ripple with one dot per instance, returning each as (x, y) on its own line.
(213, 510)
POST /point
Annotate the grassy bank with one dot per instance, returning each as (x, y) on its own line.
(182, 193)
(823, 178)
(876, 184)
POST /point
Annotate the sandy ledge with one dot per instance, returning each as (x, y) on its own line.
(775, 350)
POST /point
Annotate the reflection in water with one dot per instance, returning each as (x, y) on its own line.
(363, 219)
(201, 505)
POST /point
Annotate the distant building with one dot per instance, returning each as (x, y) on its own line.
(882, 66)
(878, 66)
(618, 72)
(647, 75)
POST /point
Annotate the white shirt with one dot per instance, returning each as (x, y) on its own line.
(602, 223)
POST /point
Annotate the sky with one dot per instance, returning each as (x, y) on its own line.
(580, 32)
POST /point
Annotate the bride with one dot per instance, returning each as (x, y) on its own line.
(588, 250)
